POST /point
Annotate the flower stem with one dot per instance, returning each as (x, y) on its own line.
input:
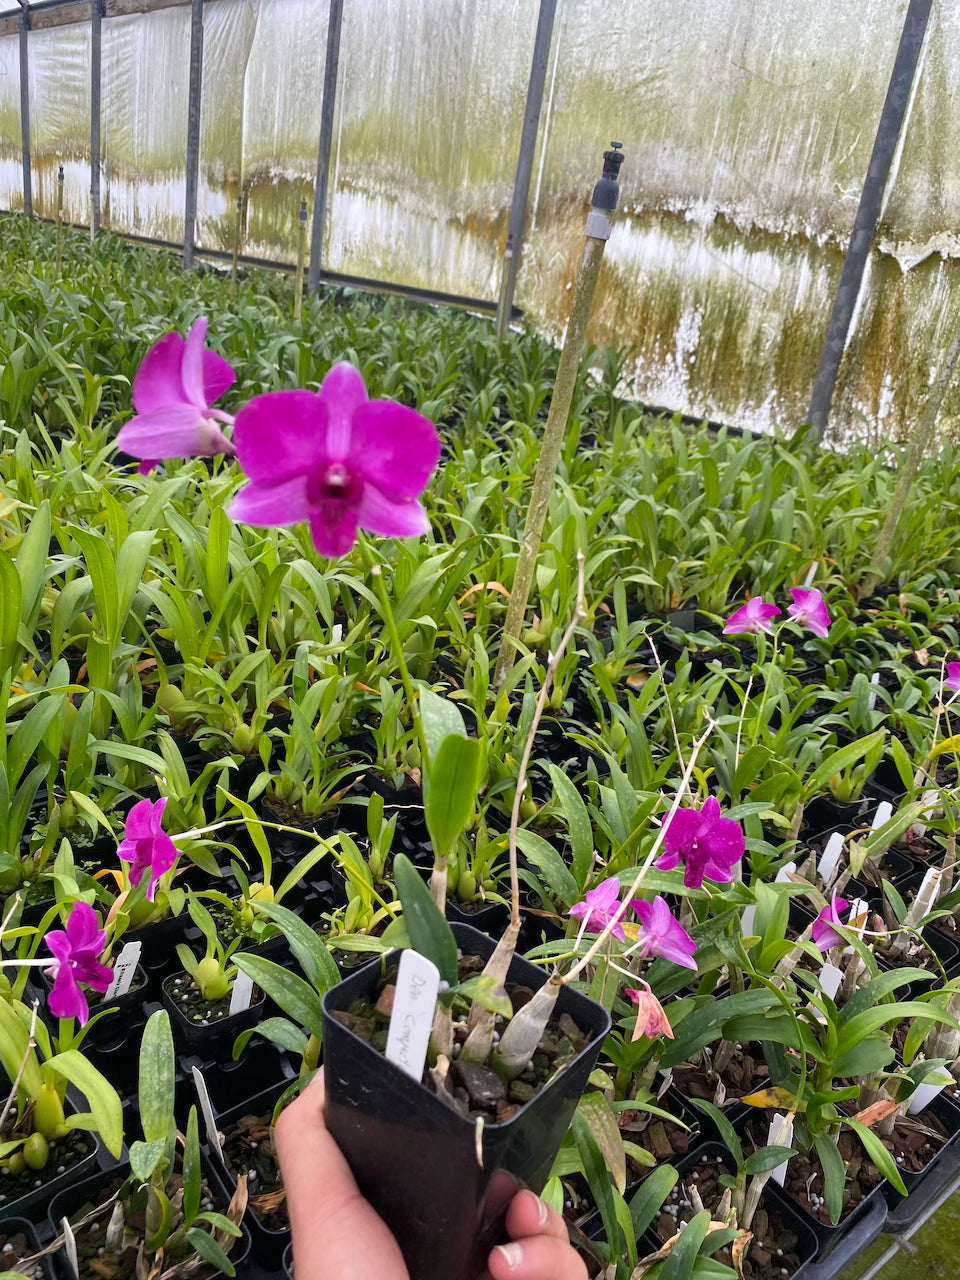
(390, 623)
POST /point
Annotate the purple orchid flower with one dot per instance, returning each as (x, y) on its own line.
(77, 951)
(825, 926)
(707, 844)
(599, 907)
(336, 459)
(809, 610)
(952, 681)
(754, 617)
(172, 393)
(146, 846)
(660, 935)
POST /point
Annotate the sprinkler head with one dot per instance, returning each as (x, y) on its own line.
(607, 191)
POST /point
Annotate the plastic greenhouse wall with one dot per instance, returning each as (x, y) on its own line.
(747, 126)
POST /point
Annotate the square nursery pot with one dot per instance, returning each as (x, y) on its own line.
(415, 1158)
(33, 1200)
(68, 1201)
(772, 1200)
(10, 1226)
(200, 1037)
(269, 1246)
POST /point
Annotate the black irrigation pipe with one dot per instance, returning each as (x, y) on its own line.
(868, 212)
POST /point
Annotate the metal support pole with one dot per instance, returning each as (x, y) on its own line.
(528, 142)
(59, 222)
(237, 243)
(334, 23)
(96, 30)
(605, 197)
(193, 131)
(301, 258)
(25, 109)
(868, 213)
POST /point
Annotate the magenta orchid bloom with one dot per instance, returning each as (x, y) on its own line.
(660, 935)
(808, 610)
(599, 907)
(825, 926)
(707, 844)
(754, 617)
(146, 846)
(77, 951)
(172, 393)
(952, 681)
(336, 459)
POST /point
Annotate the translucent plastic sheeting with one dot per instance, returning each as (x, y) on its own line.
(59, 67)
(11, 173)
(428, 128)
(281, 122)
(747, 138)
(145, 78)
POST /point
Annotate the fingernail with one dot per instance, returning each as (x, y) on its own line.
(542, 1211)
(512, 1254)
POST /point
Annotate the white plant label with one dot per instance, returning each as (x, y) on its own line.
(811, 574)
(206, 1110)
(830, 859)
(418, 981)
(124, 970)
(748, 920)
(336, 633)
(830, 979)
(242, 993)
(925, 1093)
(780, 1134)
(70, 1245)
(872, 696)
(783, 875)
(927, 894)
(883, 814)
(929, 800)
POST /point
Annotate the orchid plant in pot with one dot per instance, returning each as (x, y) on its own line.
(338, 461)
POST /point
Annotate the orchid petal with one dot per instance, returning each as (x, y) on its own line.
(390, 519)
(158, 381)
(191, 367)
(396, 448)
(280, 435)
(272, 505)
(343, 393)
(334, 528)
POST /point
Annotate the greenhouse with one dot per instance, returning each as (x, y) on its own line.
(479, 640)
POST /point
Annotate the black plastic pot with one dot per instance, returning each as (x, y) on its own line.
(35, 1201)
(127, 1007)
(828, 1233)
(158, 948)
(808, 1245)
(415, 1158)
(948, 1113)
(10, 1225)
(69, 1201)
(269, 1246)
(261, 1065)
(201, 1037)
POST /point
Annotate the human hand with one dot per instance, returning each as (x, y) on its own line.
(337, 1235)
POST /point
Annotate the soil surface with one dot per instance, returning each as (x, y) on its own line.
(744, 1073)
(770, 1255)
(475, 1091)
(13, 1249)
(64, 1155)
(99, 1263)
(804, 1178)
(248, 1148)
(196, 1008)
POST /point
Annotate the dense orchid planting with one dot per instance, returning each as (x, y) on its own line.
(239, 734)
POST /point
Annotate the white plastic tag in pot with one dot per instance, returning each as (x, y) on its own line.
(411, 1022)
